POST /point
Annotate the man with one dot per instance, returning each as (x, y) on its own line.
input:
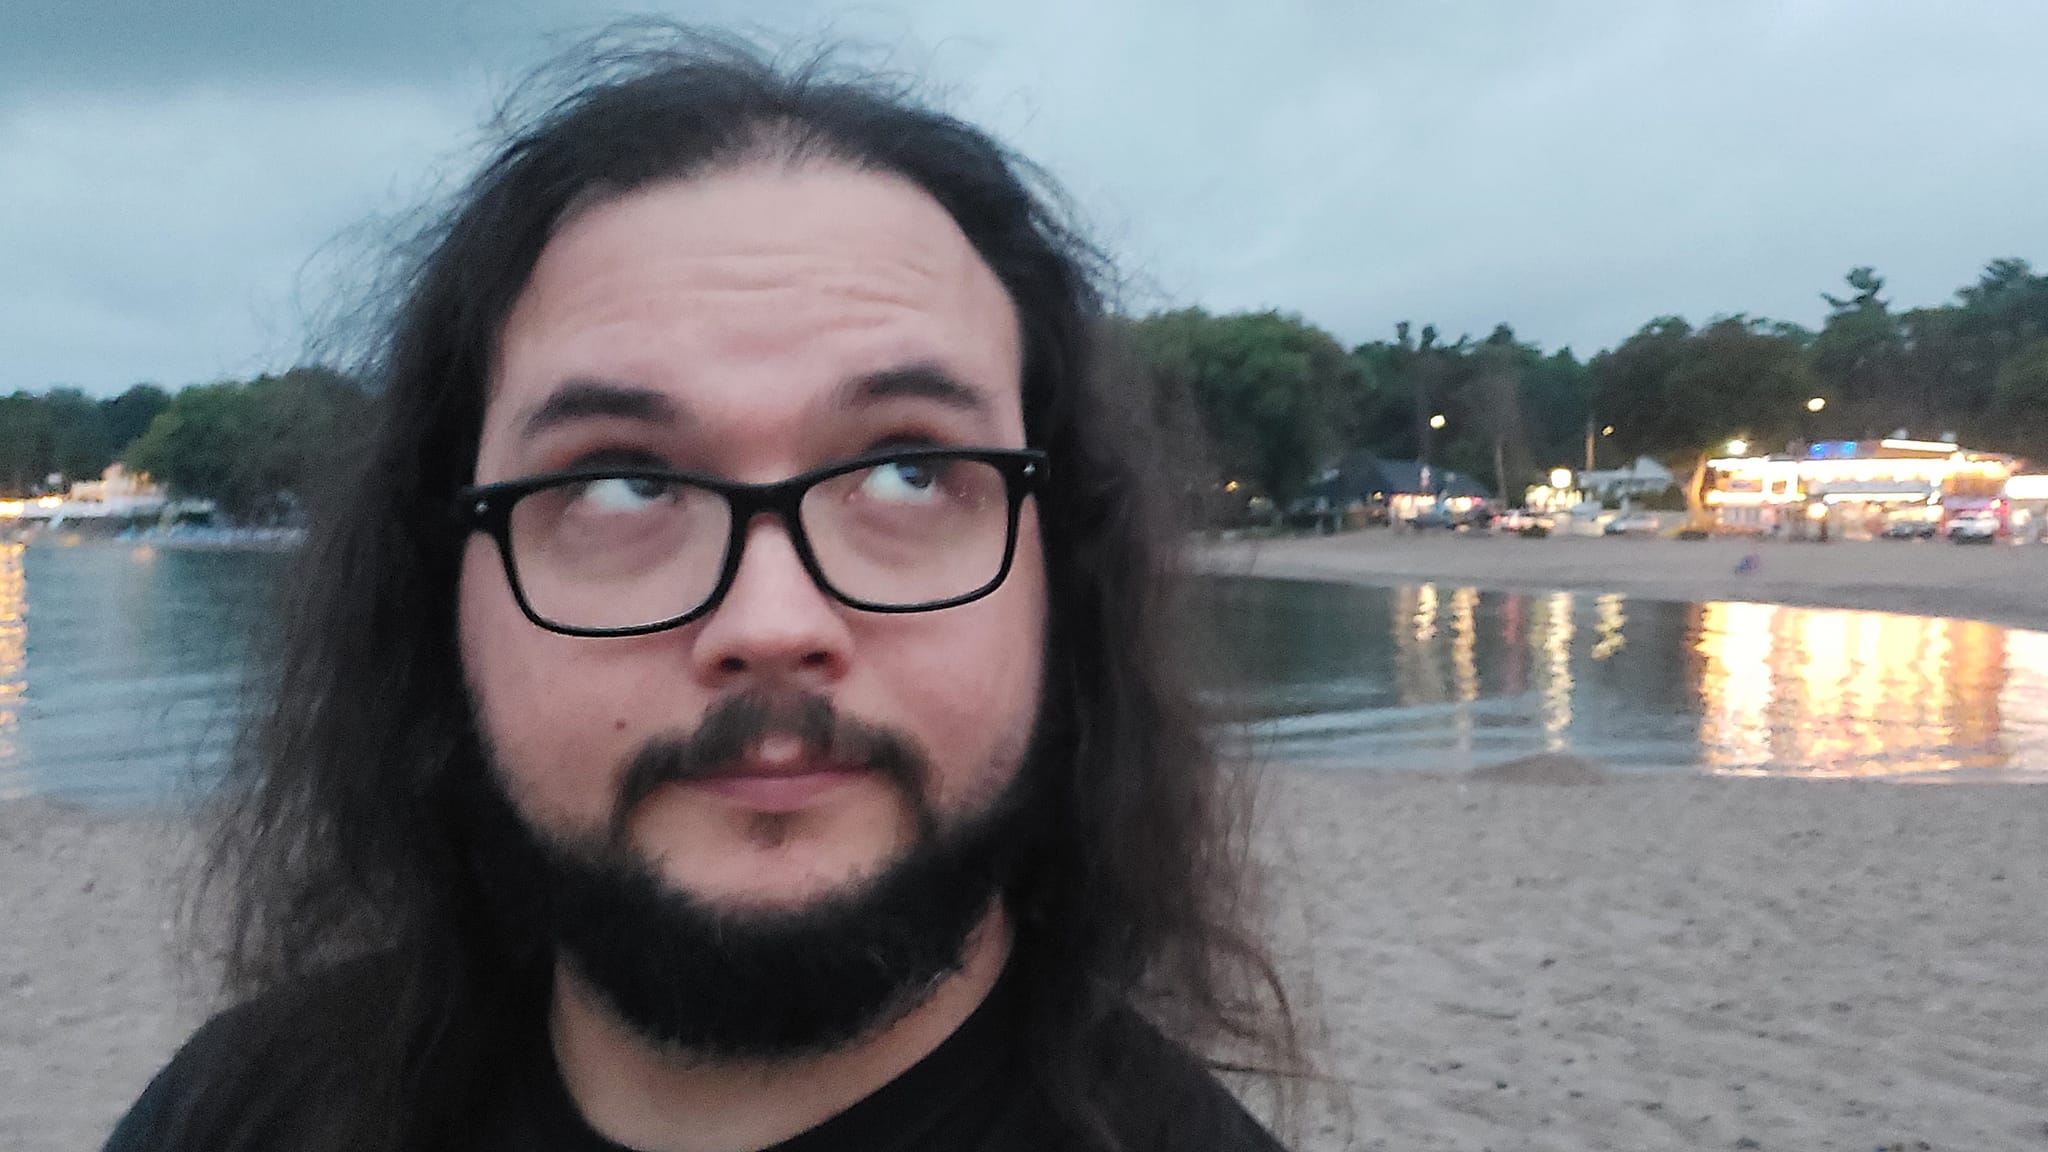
(733, 704)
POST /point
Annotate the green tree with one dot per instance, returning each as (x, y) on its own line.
(1629, 385)
(1680, 393)
(254, 448)
(78, 443)
(197, 445)
(2020, 399)
(1271, 390)
(24, 443)
(127, 416)
(1858, 357)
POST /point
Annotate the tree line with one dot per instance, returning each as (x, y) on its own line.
(251, 446)
(1279, 398)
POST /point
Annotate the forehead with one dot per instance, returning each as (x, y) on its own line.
(753, 294)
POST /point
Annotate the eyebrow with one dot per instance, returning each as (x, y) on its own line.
(920, 381)
(583, 399)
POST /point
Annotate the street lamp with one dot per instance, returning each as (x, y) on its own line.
(1607, 431)
(1561, 479)
(1737, 447)
(1816, 404)
(1437, 421)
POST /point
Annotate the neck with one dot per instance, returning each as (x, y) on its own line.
(644, 1097)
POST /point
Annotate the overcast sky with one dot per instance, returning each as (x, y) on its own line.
(180, 181)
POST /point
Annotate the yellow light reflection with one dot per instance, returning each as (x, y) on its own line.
(2024, 706)
(1608, 620)
(1425, 614)
(1465, 642)
(1828, 693)
(1418, 667)
(13, 668)
(1464, 663)
(1553, 636)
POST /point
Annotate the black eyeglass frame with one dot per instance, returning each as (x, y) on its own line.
(487, 508)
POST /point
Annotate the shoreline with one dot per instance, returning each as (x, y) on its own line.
(2000, 584)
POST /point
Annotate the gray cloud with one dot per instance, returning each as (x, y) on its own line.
(174, 177)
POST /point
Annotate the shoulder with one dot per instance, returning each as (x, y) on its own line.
(248, 1070)
(1160, 1097)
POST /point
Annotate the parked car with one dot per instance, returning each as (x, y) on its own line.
(1911, 528)
(1973, 528)
(1523, 522)
(1631, 524)
(1432, 518)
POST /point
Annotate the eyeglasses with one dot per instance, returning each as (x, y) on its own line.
(628, 551)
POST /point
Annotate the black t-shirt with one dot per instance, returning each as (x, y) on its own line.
(974, 1093)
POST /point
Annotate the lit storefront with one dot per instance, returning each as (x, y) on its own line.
(2027, 497)
(1855, 488)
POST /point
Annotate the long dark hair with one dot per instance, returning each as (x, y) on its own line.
(343, 827)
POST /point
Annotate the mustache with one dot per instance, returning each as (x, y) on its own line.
(739, 722)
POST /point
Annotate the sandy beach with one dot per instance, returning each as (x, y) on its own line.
(2003, 584)
(1494, 963)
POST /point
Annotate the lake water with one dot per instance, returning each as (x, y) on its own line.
(120, 676)
(120, 666)
(1442, 677)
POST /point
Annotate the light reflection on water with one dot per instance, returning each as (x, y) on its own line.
(1863, 693)
(13, 669)
(1446, 677)
(119, 669)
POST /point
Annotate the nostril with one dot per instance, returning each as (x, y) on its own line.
(732, 665)
(816, 659)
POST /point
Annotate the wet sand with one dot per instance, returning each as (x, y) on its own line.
(1518, 961)
(2001, 583)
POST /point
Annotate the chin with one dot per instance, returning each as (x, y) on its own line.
(790, 878)
(737, 859)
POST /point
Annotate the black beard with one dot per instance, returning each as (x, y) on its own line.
(774, 984)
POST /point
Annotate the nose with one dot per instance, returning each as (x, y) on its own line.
(774, 624)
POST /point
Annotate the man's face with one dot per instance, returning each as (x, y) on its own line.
(739, 315)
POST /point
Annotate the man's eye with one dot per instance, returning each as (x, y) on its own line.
(623, 494)
(902, 482)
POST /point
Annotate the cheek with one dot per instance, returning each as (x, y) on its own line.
(977, 679)
(545, 715)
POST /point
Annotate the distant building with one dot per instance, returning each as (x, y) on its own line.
(1645, 477)
(1402, 489)
(117, 495)
(1856, 486)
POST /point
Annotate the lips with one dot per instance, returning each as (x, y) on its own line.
(768, 754)
(775, 787)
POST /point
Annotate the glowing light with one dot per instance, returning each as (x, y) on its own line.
(1607, 431)
(1560, 478)
(1437, 421)
(13, 668)
(12, 509)
(1824, 692)
(1918, 445)
(1738, 447)
(1554, 644)
(1609, 619)
(1816, 511)
(1464, 657)
(1230, 487)
(2017, 488)
(1816, 404)
(50, 502)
